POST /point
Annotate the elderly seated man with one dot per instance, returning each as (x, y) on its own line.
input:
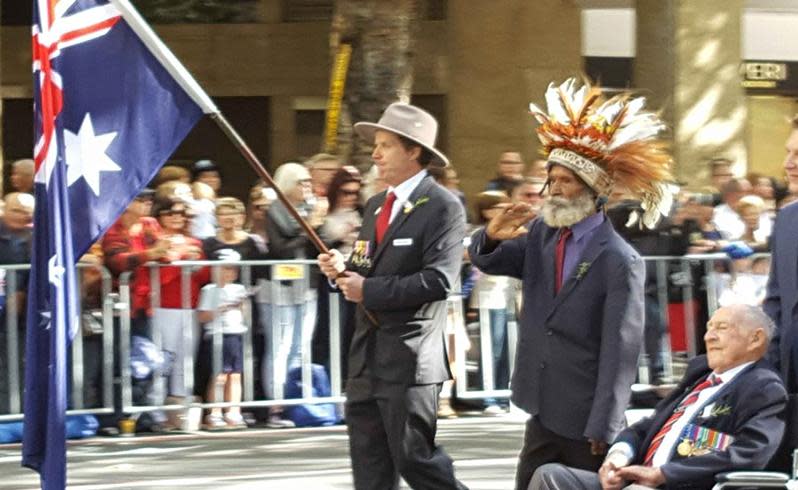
(726, 414)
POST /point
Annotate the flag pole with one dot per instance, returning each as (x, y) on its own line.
(203, 100)
(253, 161)
(195, 91)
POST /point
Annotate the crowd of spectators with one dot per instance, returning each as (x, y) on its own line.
(183, 217)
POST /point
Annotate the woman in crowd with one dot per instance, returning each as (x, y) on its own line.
(339, 231)
(290, 310)
(490, 295)
(173, 318)
(342, 223)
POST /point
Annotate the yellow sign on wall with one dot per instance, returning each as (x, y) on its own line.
(337, 84)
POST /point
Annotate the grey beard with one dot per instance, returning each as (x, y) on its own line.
(559, 212)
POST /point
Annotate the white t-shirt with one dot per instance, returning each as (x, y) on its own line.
(228, 302)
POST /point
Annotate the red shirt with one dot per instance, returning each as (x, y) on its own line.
(172, 278)
(125, 249)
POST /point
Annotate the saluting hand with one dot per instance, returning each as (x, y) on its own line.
(510, 222)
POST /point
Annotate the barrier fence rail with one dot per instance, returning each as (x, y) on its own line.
(280, 315)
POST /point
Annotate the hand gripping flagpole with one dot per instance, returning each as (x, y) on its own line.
(201, 98)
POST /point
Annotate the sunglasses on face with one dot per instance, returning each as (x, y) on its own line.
(347, 192)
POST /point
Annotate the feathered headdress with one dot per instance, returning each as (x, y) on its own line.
(608, 141)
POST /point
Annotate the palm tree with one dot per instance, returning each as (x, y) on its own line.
(382, 37)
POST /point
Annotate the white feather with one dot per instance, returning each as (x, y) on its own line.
(607, 111)
(641, 127)
(554, 104)
(634, 106)
(579, 98)
(634, 216)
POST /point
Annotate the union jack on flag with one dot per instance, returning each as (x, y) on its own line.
(107, 116)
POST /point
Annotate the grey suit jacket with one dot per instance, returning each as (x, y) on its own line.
(782, 295)
(408, 278)
(577, 350)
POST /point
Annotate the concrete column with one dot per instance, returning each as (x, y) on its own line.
(502, 55)
(283, 130)
(687, 62)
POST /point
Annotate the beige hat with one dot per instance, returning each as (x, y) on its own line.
(408, 121)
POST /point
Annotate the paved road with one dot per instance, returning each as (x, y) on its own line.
(484, 450)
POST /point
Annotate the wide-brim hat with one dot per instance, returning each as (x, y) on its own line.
(409, 121)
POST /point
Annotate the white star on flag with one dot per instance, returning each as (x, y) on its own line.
(85, 155)
(55, 272)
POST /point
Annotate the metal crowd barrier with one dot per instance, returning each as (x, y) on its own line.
(294, 278)
(473, 371)
(694, 277)
(11, 361)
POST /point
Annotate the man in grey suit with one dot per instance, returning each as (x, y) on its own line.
(404, 263)
(782, 291)
(581, 327)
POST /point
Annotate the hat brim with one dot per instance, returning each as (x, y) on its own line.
(366, 131)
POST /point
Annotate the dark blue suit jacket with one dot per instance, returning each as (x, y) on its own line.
(577, 351)
(756, 399)
(782, 295)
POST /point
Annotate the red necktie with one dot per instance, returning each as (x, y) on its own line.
(691, 398)
(384, 217)
(560, 251)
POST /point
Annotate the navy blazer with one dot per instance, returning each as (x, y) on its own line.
(781, 299)
(755, 418)
(577, 351)
(408, 277)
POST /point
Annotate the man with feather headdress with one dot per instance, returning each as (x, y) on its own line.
(583, 285)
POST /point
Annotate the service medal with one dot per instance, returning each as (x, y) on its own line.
(685, 448)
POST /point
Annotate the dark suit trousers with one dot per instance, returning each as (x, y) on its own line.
(392, 432)
(543, 446)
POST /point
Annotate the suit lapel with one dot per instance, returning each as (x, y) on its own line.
(421, 189)
(594, 248)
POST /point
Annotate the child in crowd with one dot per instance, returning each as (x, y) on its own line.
(203, 210)
(221, 309)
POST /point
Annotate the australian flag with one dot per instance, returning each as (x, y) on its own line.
(107, 116)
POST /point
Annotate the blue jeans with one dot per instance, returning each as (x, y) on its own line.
(501, 364)
(284, 327)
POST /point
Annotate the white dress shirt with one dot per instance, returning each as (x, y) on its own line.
(403, 191)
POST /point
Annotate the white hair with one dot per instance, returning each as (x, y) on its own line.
(289, 174)
(752, 317)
